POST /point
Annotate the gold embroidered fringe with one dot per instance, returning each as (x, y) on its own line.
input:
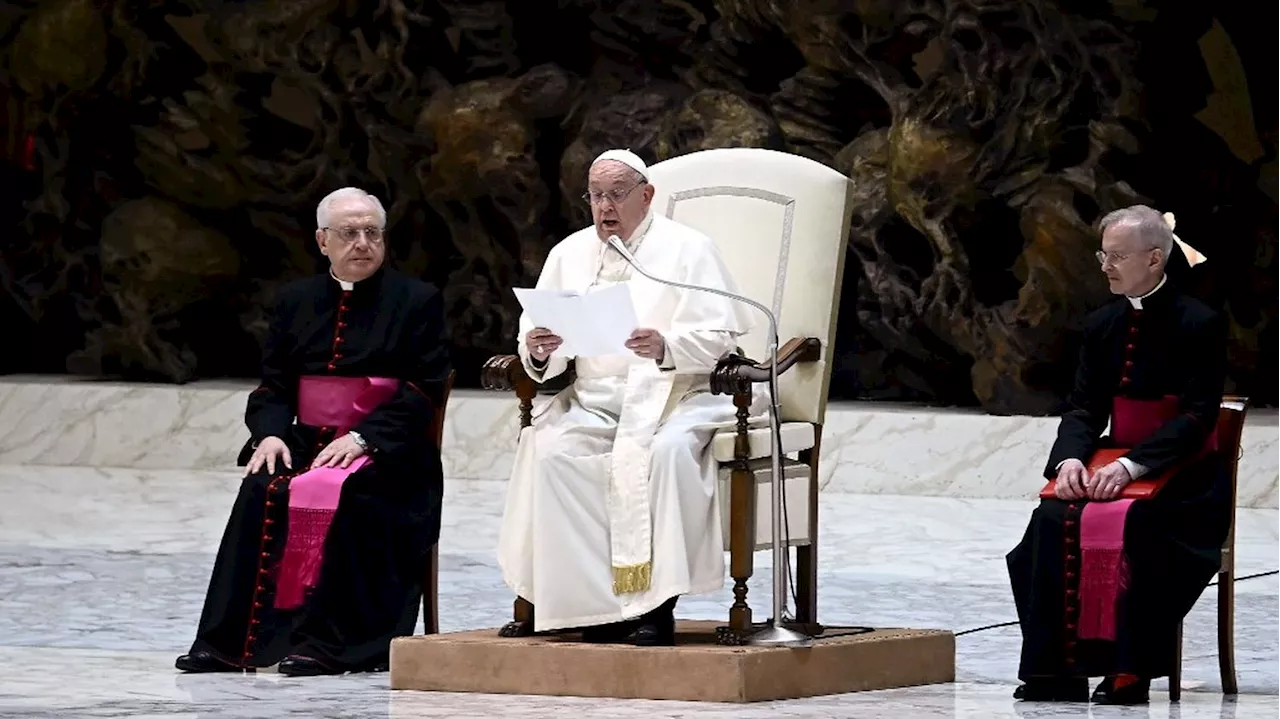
(634, 578)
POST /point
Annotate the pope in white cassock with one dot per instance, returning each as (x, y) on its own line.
(611, 512)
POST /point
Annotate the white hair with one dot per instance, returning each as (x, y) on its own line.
(1151, 226)
(322, 210)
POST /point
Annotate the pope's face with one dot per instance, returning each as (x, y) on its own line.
(619, 199)
(353, 242)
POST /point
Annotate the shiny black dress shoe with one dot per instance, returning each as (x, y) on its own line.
(655, 634)
(1138, 692)
(204, 662)
(1053, 690)
(299, 666)
(658, 627)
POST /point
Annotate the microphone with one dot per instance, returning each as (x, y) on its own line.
(776, 635)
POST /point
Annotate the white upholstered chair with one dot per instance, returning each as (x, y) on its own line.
(781, 223)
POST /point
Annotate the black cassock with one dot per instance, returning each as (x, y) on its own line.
(388, 514)
(1174, 345)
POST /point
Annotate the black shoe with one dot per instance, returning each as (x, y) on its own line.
(1138, 692)
(298, 666)
(655, 635)
(658, 627)
(1053, 689)
(615, 633)
(204, 662)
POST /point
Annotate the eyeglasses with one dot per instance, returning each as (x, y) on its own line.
(615, 196)
(1113, 258)
(349, 234)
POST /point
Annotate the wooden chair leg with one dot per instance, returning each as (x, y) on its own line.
(431, 593)
(1175, 675)
(1227, 630)
(742, 541)
(807, 556)
(807, 584)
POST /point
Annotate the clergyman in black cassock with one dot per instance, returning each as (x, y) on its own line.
(321, 566)
(1151, 347)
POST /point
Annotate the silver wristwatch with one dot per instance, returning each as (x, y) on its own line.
(364, 446)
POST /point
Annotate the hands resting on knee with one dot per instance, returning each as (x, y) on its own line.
(1075, 482)
(269, 451)
(272, 451)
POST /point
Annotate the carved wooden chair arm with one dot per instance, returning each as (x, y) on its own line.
(735, 373)
(504, 373)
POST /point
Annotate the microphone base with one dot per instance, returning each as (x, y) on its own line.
(776, 636)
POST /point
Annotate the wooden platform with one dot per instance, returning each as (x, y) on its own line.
(695, 669)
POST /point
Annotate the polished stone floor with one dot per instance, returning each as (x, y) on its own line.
(102, 573)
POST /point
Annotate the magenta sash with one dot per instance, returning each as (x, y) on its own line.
(1104, 570)
(338, 403)
(1104, 573)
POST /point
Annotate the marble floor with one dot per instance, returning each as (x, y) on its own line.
(102, 573)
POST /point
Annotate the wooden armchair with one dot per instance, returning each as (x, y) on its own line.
(1230, 429)
(431, 580)
(780, 222)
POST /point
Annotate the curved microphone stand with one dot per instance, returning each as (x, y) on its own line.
(775, 634)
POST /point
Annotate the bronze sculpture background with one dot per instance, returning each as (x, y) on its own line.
(165, 160)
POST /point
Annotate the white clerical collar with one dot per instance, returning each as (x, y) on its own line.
(1137, 301)
(348, 286)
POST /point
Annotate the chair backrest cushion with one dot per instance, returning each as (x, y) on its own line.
(781, 222)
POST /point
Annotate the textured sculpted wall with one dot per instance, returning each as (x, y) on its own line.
(162, 160)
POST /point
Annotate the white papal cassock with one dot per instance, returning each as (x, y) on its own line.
(612, 509)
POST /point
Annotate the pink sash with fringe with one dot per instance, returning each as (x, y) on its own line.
(1104, 570)
(323, 401)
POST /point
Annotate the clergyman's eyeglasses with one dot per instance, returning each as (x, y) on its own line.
(349, 234)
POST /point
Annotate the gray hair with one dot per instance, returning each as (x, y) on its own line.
(322, 210)
(1149, 224)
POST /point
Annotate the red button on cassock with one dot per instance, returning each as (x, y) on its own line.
(332, 366)
(1130, 347)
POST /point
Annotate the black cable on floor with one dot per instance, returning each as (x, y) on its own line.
(1014, 623)
(827, 632)
(989, 626)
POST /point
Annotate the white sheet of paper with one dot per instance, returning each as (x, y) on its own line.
(592, 324)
